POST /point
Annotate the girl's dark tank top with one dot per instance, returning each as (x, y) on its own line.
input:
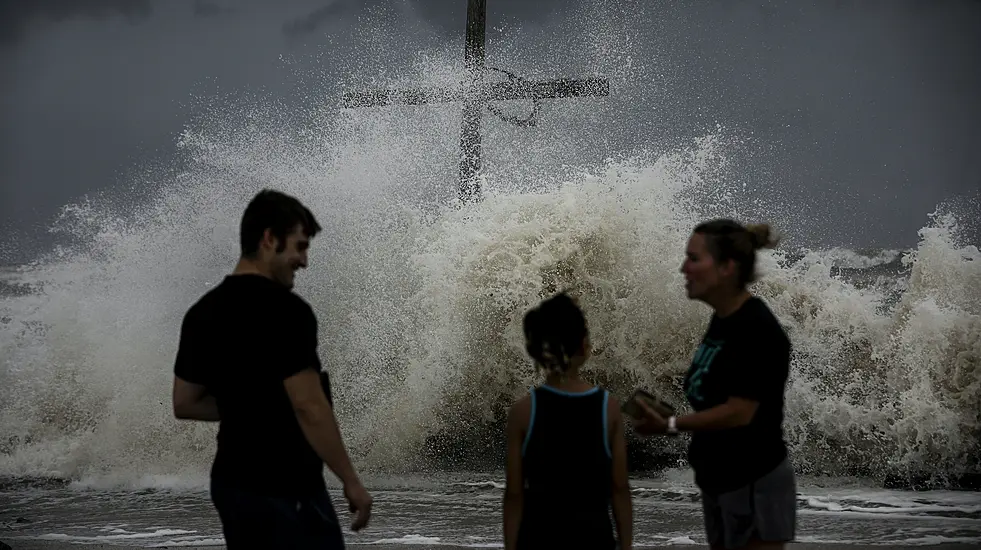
(567, 469)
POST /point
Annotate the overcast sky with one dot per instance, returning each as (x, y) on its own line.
(875, 105)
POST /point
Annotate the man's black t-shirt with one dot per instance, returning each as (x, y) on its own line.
(746, 354)
(241, 340)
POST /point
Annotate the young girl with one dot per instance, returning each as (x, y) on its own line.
(567, 459)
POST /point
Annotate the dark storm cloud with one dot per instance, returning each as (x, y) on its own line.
(381, 14)
(450, 17)
(204, 8)
(17, 15)
(869, 107)
(309, 23)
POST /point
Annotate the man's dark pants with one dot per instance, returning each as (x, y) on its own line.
(257, 521)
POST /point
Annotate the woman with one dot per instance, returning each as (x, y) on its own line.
(736, 386)
(567, 455)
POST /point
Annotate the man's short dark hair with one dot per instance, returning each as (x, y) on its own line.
(280, 214)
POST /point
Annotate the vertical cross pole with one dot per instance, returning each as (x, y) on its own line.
(474, 55)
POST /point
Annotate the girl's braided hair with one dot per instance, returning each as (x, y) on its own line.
(554, 333)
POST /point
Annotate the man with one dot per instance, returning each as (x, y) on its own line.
(248, 359)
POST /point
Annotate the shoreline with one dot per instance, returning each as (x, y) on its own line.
(462, 511)
(967, 483)
(28, 544)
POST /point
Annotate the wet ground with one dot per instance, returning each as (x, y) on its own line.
(462, 510)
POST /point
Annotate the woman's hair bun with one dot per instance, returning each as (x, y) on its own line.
(762, 236)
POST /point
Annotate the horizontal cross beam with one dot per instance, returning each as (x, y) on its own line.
(497, 91)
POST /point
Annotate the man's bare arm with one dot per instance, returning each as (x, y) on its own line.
(316, 418)
(192, 402)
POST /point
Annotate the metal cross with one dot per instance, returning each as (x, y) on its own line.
(475, 95)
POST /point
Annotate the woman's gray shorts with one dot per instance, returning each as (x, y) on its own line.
(766, 510)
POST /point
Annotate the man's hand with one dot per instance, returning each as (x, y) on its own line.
(651, 423)
(360, 504)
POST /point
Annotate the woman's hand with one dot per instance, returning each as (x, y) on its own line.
(651, 423)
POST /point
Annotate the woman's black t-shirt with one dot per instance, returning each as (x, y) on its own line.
(746, 354)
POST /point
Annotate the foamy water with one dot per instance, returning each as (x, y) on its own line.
(420, 315)
(464, 510)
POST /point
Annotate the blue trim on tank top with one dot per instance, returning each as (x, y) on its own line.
(569, 393)
(531, 422)
(606, 429)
